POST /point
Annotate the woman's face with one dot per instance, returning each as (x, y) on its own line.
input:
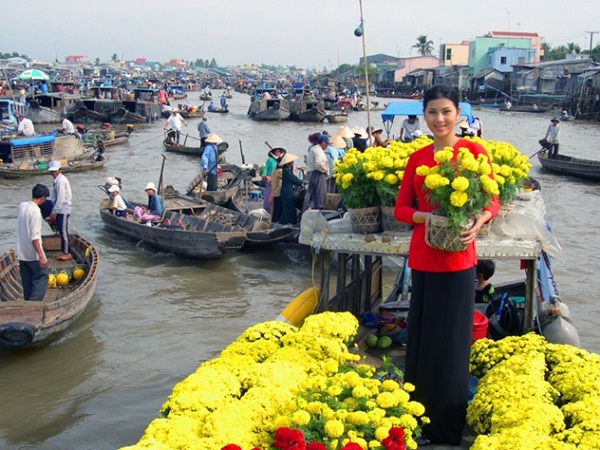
(440, 116)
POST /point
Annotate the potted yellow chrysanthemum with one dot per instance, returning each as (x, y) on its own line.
(458, 188)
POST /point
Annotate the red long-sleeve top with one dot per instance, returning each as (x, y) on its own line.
(421, 256)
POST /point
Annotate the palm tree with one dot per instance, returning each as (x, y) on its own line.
(114, 57)
(573, 48)
(424, 46)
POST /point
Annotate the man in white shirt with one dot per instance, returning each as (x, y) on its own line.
(553, 133)
(29, 250)
(409, 126)
(61, 207)
(25, 127)
(67, 125)
(174, 123)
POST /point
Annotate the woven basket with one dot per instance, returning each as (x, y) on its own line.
(441, 236)
(389, 222)
(365, 220)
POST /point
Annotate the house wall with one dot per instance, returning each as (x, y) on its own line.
(480, 46)
(502, 58)
(454, 54)
(407, 65)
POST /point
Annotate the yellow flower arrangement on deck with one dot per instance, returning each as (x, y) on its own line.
(460, 187)
(275, 375)
(373, 177)
(534, 395)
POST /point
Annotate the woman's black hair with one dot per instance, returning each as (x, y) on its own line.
(440, 91)
(486, 268)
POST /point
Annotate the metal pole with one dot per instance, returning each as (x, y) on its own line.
(366, 69)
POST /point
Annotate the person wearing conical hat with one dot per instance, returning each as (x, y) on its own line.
(289, 214)
(209, 161)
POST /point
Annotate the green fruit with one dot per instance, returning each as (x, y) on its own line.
(384, 342)
(371, 341)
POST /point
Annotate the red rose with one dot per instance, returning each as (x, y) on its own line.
(395, 440)
(231, 447)
(351, 446)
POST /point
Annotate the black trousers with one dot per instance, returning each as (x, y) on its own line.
(440, 324)
(553, 151)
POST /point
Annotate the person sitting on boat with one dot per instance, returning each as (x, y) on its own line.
(409, 126)
(376, 138)
(44, 88)
(209, 161)
(553, 132)
(66, 125)
(174, 123)
(117, 207)
(155, 209)
(477, 126)
(289, 214)
(483, 287)
(25, 127)
(465, 129)
(29, 250)
(204, 131)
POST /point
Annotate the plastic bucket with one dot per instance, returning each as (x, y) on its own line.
(480, 326)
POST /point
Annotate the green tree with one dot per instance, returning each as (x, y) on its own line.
(213, 63)
(573, 48)
(114, 57)
(424, 45)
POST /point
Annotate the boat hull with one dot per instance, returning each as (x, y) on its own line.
(24, 323)
(567, 165)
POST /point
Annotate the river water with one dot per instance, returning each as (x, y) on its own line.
(156, 317)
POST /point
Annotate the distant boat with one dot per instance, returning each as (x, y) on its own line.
(567, 165)
(524, 109)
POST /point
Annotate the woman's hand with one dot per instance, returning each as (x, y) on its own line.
(470, 235)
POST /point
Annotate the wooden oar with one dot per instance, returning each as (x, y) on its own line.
(160, 180)
(269, 145)
(543, 149)
(242, 152)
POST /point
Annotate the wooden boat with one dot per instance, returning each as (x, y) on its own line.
(307, 110)
(196, 240)
(229, 180)
(272, 109)
(205, 96)
(30, 156)
(23, 323)
(121, 115)
(218, 110)
(337, 117)
(189, 150)
(91, 161)
(260, 231)
(523, 108)
(567, 165)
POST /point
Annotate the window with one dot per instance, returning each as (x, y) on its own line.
(503, 60)
(448, 54)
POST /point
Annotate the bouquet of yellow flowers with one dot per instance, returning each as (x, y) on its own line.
(510, 167)
(373, 177)
(458, 188)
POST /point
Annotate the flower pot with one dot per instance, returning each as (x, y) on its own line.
(389, 222)
(440, 235)
(365, 220)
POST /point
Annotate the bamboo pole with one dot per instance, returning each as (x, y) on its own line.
(366, 66)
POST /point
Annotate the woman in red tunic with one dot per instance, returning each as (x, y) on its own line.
(440, 320)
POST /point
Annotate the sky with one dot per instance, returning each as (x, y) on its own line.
(302, 33)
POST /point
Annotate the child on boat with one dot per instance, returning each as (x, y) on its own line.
(483, 287)
(118, 207)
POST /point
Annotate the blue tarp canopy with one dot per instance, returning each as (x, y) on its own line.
(35, 140)
(415, 108)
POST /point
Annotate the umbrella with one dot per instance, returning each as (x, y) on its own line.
(32, 74)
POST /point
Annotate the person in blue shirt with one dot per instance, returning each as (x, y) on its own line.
(209, 161)
(44, 88)
(155, 208)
